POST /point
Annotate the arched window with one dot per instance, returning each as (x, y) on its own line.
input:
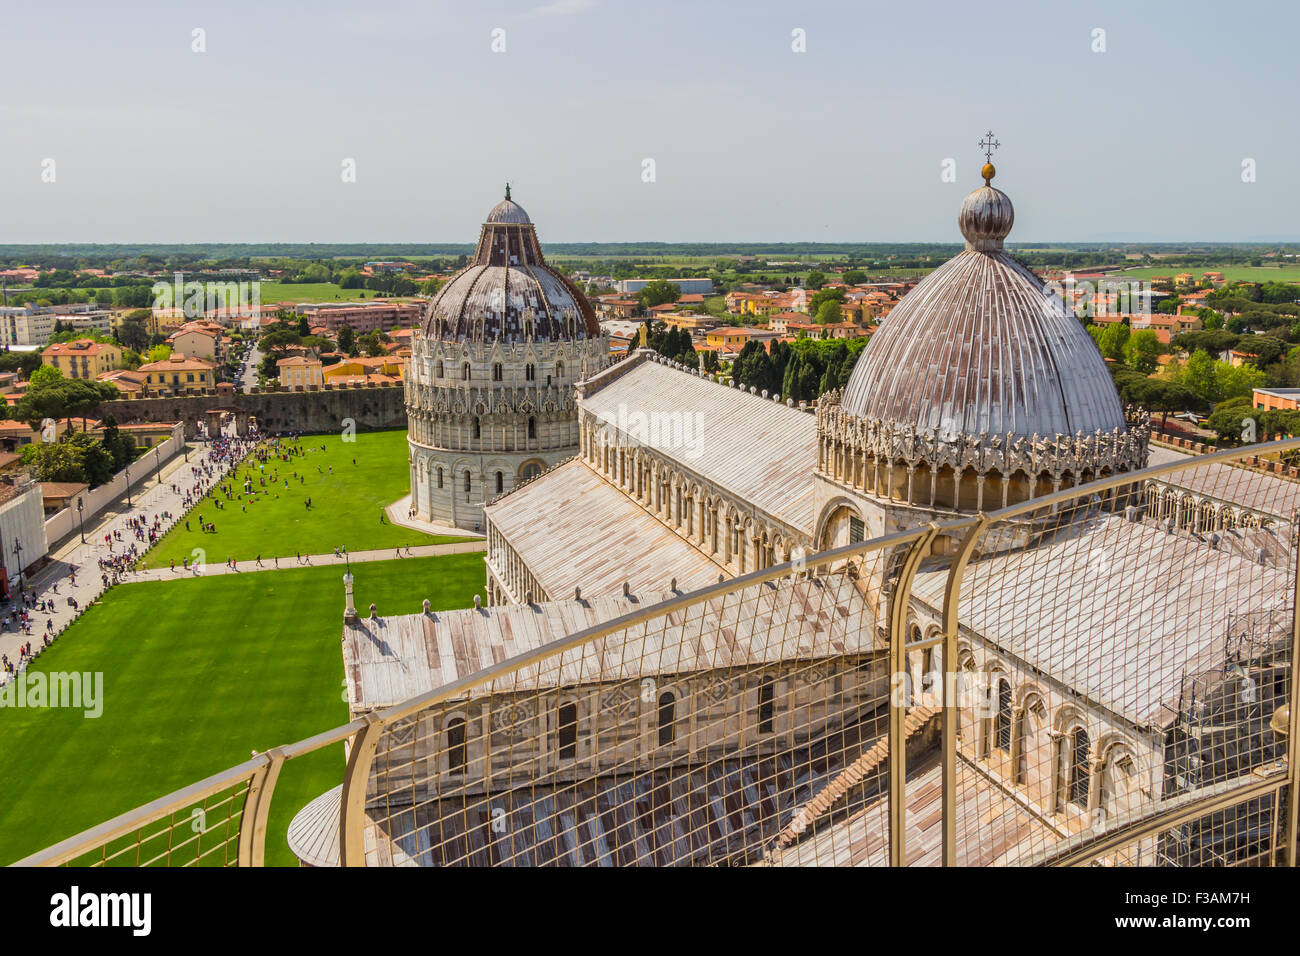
(457, 750)
(1077, 783)
(496, 371)
(501, 482)
(467, 486)
(478, 428)
(530, 372)
(532, 427)
(1002, 722)
(465, 371)
(559, 370)
(766, 708)
(440, 477)
(667, 718)
(439, 370)
(530, 471)
(566, 731)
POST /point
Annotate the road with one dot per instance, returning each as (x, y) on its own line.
(251, 361)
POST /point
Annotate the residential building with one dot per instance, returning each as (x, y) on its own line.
(82, 358)
(178, 374)
(22, 326)
(200, 339)
(300, 371)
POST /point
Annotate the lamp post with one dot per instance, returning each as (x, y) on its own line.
(81, 504)
(18, 553)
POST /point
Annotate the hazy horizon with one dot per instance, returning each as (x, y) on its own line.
(752, 142)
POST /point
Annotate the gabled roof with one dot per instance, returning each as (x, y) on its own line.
(759, 450)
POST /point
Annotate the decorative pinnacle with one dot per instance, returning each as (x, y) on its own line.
(507, 190)
(988, 144)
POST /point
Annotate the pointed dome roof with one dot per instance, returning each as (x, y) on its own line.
(980, 345)
(509, 292)
(508, 211)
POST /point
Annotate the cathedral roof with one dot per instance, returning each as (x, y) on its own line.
(509, 292)
(981, 346)
(758, 450)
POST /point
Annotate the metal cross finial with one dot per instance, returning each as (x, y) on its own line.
(988, 144)
(507, 190)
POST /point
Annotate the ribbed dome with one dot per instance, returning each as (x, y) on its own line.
(981, 346)
(985, 219)
(508, 292)
(507, 210)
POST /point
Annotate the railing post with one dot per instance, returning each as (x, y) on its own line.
(898, 605)
(352, 801)
(257, 806)
(951, 623)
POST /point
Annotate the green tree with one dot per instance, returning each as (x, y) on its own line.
(119, 446)
(53, 461)
(44, 376)
(1112, 340)
(1143, 351)
(133, 334)
(829, 313)
(159, 353)
(96, 460)
(658, 292)
(347, 339)
(815, 280)
(823, 296)
(1236, 381)
(1197, 376)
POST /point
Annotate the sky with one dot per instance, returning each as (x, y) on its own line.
(762, 121)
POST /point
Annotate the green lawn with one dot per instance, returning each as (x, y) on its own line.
(1285, 273)
(345, 505)
(273, 292)
(196, 674)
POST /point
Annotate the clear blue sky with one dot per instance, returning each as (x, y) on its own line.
(751, 141)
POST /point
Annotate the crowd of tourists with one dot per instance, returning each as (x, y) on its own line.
(119, 551)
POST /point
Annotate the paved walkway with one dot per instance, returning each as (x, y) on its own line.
(399, 513)
(306, 561)
(54, 582)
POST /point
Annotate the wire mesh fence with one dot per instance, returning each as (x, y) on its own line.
(1097, 676)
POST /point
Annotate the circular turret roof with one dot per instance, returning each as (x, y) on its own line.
(508, 292)
(980, 345)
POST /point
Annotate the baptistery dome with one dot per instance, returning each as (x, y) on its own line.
(508, 293)
(490, 401)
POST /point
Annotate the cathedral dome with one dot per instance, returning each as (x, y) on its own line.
(508, 211)
(508, 292)
(980, 346)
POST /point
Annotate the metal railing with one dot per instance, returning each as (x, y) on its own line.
(1072, 680)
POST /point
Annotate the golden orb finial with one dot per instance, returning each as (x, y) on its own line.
(988, 172)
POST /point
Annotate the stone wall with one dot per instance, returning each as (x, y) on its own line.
(313, 409)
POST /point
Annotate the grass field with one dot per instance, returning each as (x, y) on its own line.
(272, 292)
(1286, 273)
(345, 505)
(196, 674)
